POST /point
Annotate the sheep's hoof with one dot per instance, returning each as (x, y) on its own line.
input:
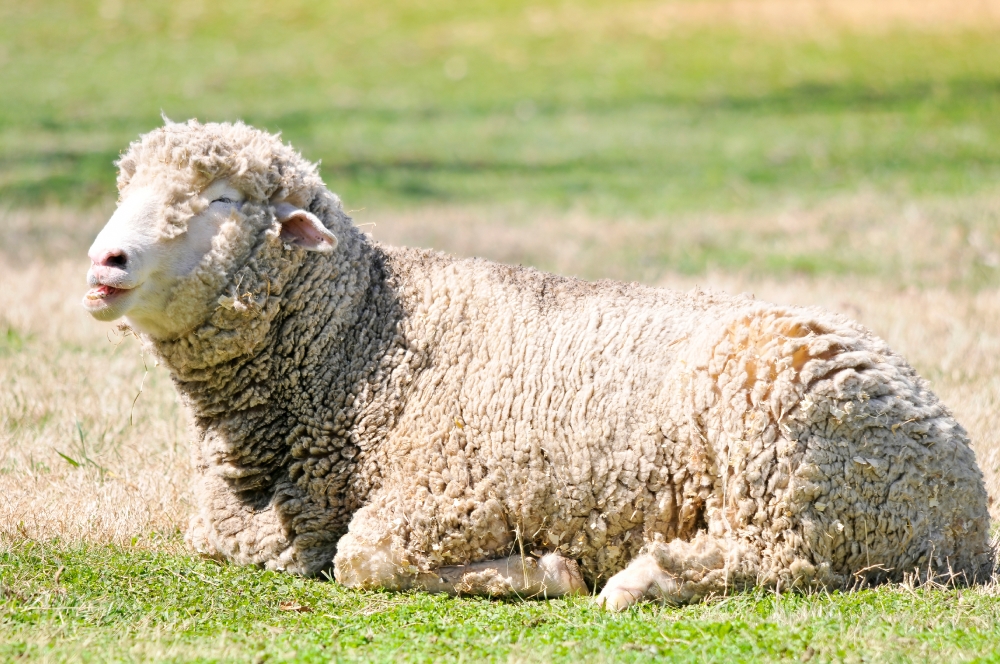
(642, 579)
(619, 598)
(560, 576)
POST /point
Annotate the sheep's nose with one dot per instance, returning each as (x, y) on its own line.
(109, 258)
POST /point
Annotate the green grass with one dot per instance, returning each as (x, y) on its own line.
(527, 111)
(569, 112)
(106, 604)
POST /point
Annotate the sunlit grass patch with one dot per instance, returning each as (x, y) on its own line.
(136, 605)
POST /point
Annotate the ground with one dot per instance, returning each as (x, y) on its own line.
(845, 154)
(111, 604)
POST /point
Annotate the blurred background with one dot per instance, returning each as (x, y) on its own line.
(618, 111)
(836, 152)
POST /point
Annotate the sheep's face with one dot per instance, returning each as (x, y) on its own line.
(137, 270)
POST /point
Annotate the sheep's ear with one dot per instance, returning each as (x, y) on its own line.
(302, 228)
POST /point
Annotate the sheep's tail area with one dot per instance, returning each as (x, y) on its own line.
(835, 465)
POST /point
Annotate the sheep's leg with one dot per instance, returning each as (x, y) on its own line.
(677, 572)
(362, 565)
(642, 579)
(197, 538)
(552, 575)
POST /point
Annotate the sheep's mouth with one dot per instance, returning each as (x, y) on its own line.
(104, 299)
(104, 292)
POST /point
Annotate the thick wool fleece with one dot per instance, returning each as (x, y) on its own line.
(440, 411)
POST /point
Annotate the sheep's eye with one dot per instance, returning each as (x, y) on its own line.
(223, 200)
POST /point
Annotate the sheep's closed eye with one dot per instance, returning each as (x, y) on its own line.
(220, 194)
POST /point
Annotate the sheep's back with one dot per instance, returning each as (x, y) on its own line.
(591, 417)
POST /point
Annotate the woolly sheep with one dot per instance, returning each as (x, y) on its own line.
(454, 425)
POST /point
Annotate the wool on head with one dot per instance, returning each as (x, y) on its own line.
(183, 158)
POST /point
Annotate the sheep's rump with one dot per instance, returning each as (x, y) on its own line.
(552, 414)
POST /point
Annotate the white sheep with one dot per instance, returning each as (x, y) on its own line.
(421, 421)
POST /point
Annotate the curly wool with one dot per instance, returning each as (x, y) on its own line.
(183, 158)
(448, 411)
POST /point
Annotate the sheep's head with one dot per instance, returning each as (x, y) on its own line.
(195, 200)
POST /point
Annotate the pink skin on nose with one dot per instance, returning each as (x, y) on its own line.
(106, 270)
(109, 258)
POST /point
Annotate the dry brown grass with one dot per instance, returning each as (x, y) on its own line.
(899, 242)
(68, 388)
(785, 17)
(69, 383)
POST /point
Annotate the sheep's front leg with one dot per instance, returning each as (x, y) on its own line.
(642, 579)
(552, 575)
(677, 572)
(362, 565)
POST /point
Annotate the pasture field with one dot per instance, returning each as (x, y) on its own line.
(93, 481)
(839, 153)
(630, 108)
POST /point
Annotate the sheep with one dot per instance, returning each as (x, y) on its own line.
(419, 421)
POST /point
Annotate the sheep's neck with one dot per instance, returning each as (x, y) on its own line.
(316, 385)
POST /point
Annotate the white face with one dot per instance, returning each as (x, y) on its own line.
(134, 269)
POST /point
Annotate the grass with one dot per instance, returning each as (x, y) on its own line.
(93, 479)
(905, 242)
(841, 153)
(101, 603)
(609, 108)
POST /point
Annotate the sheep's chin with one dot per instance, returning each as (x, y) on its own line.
(175, 309)
(156, 326)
